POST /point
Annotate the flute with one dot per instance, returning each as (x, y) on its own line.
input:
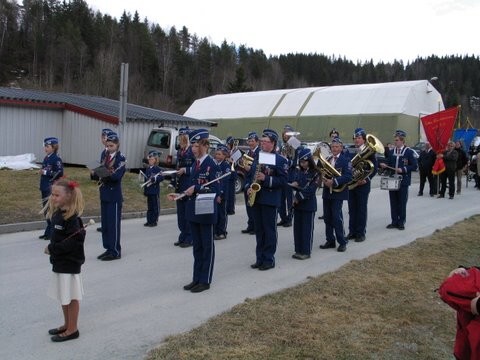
(182, 195)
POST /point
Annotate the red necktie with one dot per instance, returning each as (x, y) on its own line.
(197, 165)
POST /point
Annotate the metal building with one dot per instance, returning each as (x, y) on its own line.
(29, 116)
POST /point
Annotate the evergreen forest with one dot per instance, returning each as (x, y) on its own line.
(65, 46)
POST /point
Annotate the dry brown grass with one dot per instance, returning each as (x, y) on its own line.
(20, 197)
(382, 307)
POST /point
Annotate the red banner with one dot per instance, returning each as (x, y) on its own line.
(439, 127)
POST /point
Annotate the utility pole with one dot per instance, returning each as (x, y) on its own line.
(122, 116)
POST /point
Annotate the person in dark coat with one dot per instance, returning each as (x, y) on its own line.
(402, 160)
(271, 176)
(450, 157)
(153, 178)
(425, 164)
(111, 198)
(358, 196)
(201, 211)
(254, 149)
(305, 184)
(333, 200)
(462, 163)
(67, 255)
(52, 169)
(181, 182)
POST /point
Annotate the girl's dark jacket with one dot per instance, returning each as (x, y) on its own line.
(66, 246)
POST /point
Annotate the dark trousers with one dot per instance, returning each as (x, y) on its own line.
(333, 218)
(111, 224)
(266, 233)
(357, 210)
(450, 176)
(250, 221)
(286, 204)
(183, 225)
(398, 205)
(48, 228)
(203, 252)
(153, 208)
(221, 225)
(303, 224)
(231, 198)
(424, 176)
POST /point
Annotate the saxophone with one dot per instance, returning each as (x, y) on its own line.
(254, 187)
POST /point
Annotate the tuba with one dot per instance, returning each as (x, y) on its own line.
(324, 167)
(255, 187)
(245, 160)
(362, 168)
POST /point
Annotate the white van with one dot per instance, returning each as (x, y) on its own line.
(164, 140)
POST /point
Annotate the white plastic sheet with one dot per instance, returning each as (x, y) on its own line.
(18, 162)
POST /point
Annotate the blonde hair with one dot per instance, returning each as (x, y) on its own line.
(76, 203)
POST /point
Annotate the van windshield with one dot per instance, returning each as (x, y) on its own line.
(159, 139)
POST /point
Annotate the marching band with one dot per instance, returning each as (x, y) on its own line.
(282, 177)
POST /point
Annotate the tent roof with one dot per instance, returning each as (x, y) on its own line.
(405, 97)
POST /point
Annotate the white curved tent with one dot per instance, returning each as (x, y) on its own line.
(379, 108)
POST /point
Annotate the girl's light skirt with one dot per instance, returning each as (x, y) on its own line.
(65, 287)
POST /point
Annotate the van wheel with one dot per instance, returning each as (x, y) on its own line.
(239, 184)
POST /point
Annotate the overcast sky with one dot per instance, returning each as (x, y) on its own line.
(381, 30)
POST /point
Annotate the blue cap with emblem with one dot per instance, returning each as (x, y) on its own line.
(112, 136)
(271, 134)
(304, 154)
(287, 128)
(229, 140)
(184, 131)
(252, 135)
(337, 140)
(152, 153)
(106, 131)
(198, 134)
(50, 141)
(223, 148)
(400, 133)
(359, 132)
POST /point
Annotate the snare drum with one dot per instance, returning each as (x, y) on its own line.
(391, 183)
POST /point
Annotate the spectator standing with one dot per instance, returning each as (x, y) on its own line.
(425, 165)
(462, 163)
(450, 157)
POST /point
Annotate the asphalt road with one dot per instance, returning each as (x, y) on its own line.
(132, 304)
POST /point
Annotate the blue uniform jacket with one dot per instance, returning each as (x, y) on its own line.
(276, 178)
(153, 187)
(111, 186)
(52, 169)
(307, 188)
(406, 161)
(205, 173)
(344, 167)
(185, 159)
(223, 188)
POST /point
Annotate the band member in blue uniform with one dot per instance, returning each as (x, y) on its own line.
(151, 190)
(103, 139)
(230, 142)
(305, 184)
(185, 159)
(111, 199)
(52, 169)
(271, 177)
(254, 149)
(358, 196)
(224, 167)
(202, 218)
(401, 161)
(333, 200)
(289, 153)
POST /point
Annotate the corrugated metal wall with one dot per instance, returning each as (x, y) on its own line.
(23, 129)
